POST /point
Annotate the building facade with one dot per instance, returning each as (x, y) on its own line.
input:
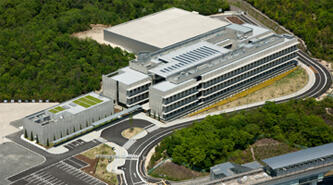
(201, 70)
(68, 117)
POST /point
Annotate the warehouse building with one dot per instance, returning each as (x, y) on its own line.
(307, 167)
(300, 160)
(68, 117)
(196, 72)
(159, 30)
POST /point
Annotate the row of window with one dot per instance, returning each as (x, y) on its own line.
(249, 66)
(179, 103)
(246, 75)
(180, 111)
(264, 75)
(255, 78)
(138, 90)
(137, 98)
(179, 95)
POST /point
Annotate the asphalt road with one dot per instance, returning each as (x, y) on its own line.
(134, 169)
(50, 158)
(113, 133)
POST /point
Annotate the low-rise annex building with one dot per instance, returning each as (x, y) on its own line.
(68, 117)
(307, 166)
(200, 70)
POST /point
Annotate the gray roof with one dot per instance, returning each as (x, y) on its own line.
(129, 76)
(300, 156)
(239, 28)
(253, 165)
(224, 168)
(187, 57)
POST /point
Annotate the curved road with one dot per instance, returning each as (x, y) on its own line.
(134, 169)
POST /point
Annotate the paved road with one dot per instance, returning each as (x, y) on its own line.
(50, 158)
(113, 133)
(134, 169)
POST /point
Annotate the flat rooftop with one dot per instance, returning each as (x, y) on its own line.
(79, 104)
(167, 27)
(129, 76)
(187, 57)
(300, 156)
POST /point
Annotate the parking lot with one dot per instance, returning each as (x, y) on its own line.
(66, 172)
(74, 144)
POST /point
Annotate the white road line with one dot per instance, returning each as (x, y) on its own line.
(80, 166)
(90, 180)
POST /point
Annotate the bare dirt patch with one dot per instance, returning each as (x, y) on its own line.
(95, 33)
(130, 132)
(262, 149)
(172, 171)
(285, 86)
(266, 148)
(97, 167)
(235, 20)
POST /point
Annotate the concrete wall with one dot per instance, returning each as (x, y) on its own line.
(128, 43)
(69, 122)
(109, 87)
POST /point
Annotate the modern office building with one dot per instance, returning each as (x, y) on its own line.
(68, 117)
(200, 70)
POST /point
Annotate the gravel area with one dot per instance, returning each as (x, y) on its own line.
(13, 111)
(95, 33)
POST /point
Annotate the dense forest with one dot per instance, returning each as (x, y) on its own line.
(216, 139)
(39, 59)
(312, 20)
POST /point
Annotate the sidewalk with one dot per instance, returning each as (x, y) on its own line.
(113, 166)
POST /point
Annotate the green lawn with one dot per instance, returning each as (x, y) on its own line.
(94, 99)
(87, 101)
(56, 109)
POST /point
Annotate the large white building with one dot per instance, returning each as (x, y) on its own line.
(67, 118)
(193, 71)
(161, 29)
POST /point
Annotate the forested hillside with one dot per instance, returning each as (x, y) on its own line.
(216, 139)
(39, 59)
(312, 20)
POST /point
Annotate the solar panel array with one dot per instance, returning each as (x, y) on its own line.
(190, 57)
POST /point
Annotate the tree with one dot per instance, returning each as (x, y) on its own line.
(25, 133)
(217, 139)
(131, 122)
(31, 136)
(37, 140)
(47, 142)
